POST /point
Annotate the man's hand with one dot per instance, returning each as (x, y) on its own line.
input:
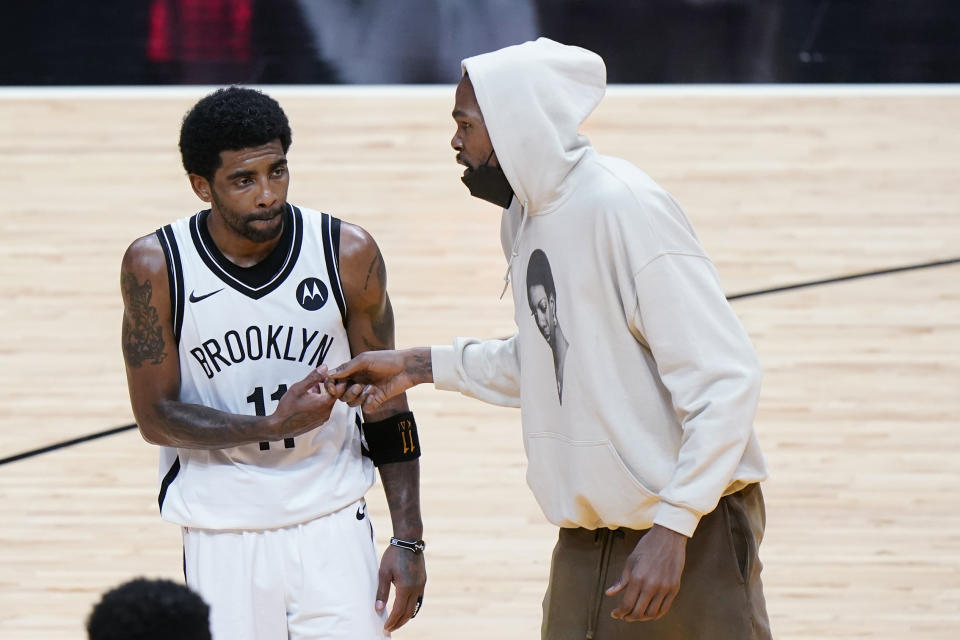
(408, 573)
(373, 377)
(305, 406)
(651, 576)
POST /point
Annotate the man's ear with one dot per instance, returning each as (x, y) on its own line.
(201, 187)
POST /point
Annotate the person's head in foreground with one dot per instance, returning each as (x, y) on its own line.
(143, 609)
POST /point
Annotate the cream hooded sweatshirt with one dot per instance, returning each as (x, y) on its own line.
(649, 420)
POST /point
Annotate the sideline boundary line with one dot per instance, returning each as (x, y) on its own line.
(852, 276)
(66, 443)
(736, 296)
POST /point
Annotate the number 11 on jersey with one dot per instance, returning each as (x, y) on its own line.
(256, 398)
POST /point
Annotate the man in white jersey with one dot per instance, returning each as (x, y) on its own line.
(231, 317)
(638, 414)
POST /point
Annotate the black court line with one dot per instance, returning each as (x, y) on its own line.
(736, 296)
(852, 276)
(67, 443)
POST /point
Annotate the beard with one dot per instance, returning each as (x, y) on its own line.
(467, 167)
(245, 224)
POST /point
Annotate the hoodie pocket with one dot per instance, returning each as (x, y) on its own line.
(586, 484)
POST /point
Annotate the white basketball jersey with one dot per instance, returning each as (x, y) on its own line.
(240, 348)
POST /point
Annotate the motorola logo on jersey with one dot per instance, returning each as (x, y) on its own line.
(312, 294)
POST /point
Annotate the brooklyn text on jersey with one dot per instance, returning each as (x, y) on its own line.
(253, 343)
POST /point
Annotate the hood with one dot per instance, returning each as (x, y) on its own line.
(534, 97)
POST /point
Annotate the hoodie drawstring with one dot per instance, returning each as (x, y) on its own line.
(606, 538)
(513, 249)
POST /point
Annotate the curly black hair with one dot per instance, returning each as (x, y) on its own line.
(228, 120)
(143, 609)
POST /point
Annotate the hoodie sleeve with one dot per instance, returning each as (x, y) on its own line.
(708, 365)
(487, 370)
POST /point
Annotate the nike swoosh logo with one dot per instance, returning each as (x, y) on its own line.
(194, 298)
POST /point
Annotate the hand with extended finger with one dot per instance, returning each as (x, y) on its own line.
(651, 576)
(406, 571)
(305, 406)
(373, 377)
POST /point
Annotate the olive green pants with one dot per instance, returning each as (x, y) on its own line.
(720, 598)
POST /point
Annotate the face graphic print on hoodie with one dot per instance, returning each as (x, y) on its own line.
(542, 299)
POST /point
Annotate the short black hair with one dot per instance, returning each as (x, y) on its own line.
(143, 609)
(538, 272)
(230, 119)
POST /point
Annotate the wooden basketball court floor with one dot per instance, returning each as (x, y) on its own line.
(859, 412)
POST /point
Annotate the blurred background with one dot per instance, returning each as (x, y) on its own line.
(135, 42)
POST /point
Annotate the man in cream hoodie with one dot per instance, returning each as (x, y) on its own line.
(639, 436)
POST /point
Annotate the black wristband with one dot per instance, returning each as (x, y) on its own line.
(392, 439)
(416, 546)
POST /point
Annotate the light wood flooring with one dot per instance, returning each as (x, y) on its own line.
(858, 417)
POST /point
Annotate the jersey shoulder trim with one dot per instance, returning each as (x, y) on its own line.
(330, 230)
(174, 276)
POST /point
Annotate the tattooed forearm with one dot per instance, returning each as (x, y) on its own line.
(142, 336)
(193, 426)
(401, 484)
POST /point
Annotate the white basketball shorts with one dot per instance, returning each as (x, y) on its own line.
(314, 580)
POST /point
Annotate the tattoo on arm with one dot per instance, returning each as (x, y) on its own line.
(142, 334)
(373, 330)
(419, 366)
(401, 484)
(376, 263)
(383, 327)
(192, 426)
(382, 332)
(401, 480)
